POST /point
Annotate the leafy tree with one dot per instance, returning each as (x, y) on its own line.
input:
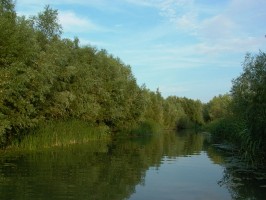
(7, 9)
(173, 112)
(245, 126)
(153, 106)
(193, 109)
(47, 26)
(219, 106)
(44, 77)
(18, 54)
(249, 96)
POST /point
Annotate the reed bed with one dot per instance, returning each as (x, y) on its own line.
(61, 133)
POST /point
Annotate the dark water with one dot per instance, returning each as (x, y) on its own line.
(167, 166)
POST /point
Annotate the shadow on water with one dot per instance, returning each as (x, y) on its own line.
(107, 170)
(242, 180)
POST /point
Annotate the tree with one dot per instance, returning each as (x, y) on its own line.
(19, 91)
(7, 9)
(193, 110)
(173, 113)
(47, 26)
(218, 107)
(249, 96)
(8, 32)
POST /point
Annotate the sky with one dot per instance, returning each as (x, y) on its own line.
(186, 48)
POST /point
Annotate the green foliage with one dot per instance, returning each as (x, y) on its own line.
(44, 77)
(234, 130)
(46, 26)
(193, 110)
(249, 102)
(153, 106)
(226, 129)
(249, 95)
(61, 133)
(219, 107)
(184, 122)
(7, 6)
(146, 128)
(173, 113)
(241, 118)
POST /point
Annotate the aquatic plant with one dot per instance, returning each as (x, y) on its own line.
(61, 133)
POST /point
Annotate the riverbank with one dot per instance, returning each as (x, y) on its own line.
(232, 134)
(65, 133)
(60, 133)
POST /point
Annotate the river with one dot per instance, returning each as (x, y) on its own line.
(166, 166)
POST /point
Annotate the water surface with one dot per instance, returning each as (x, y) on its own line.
(165, 166)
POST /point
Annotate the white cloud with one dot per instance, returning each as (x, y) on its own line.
(180, 13)
(73, 23)
(231, 45)
(94, 43)
(232, 30)
(235, 27)
(31, 7)
(217, 28)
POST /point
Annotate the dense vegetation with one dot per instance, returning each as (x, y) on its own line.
(44, 77)
(240, 118)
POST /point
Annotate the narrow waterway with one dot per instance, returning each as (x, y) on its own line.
(166, 166)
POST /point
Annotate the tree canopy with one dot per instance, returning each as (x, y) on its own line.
(46, 77)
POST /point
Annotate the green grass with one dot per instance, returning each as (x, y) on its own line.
(61, 133)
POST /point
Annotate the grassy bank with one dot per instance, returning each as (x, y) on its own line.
(61, 133)
(234, 131)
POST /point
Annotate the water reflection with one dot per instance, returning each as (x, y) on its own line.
(177, 165)
(241, 180)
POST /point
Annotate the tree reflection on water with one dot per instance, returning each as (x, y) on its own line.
(242, 180)
(111, 170)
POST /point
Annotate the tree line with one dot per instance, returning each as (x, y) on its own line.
(46, 77)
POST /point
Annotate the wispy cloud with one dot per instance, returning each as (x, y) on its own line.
(71, 22)
(225, 30)
(180, 12)
(231, 29)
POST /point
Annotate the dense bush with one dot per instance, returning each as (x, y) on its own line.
(46, 77)
(226, 129)
(243, 115)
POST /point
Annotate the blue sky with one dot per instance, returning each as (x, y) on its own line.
(191, 48)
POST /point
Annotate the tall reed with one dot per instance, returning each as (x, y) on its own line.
(61, 133)
(235, 131)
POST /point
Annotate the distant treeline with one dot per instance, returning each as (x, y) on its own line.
(45, 77)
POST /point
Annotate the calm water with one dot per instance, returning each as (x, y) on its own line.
(167, 166)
